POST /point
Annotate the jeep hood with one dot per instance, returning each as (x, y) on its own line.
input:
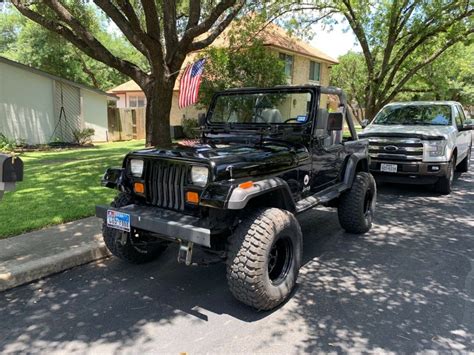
(243, 159)
(423, 132)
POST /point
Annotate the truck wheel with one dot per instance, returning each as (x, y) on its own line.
(463, 166)
(135, 250)
(264, 258)
(445, 183)
(357, 205)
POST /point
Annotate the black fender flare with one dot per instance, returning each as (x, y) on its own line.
(351, 169)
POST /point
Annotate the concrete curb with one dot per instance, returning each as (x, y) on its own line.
(37, 269)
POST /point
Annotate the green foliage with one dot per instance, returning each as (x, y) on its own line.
(26, 42)
(351, 75)
(7, 144)
(189, 127)
(83, 136)
(451, 77)
(245, 63)
(397, 38)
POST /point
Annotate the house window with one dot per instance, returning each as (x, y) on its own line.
(136, 101)
(288, 60)
(314, 71)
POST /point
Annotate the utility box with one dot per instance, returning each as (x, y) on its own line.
(11, 171)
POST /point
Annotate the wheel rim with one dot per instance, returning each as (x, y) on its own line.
(368, 202)
(280, 260)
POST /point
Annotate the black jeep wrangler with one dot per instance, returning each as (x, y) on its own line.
(264, 155)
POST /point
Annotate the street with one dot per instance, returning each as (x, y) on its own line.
(406, 286)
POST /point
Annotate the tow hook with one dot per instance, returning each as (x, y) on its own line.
(185, 253)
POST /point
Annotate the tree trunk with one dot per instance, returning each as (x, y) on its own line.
(158, 108)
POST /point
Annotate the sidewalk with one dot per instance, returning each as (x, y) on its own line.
(37, 254)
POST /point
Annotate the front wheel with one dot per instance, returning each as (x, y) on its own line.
(463, 166)
(264, 258)
(445, 183)
(357, 205)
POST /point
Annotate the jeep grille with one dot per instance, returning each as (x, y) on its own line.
(165, 182)
(396, 149)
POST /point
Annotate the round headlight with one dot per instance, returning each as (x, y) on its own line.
(136, 167)
(199, 175)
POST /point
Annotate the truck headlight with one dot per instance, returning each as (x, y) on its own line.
(136, 167)
(436, 148)
(199, 175)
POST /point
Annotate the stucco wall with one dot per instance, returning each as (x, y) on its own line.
(177, 114)
(94, 114)
(26, 105)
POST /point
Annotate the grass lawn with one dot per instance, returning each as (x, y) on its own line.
(60, 186)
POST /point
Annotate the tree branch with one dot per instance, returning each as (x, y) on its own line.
(415, 69)
(85, 42)
(219, 28)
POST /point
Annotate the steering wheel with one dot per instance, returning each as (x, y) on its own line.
(291, 119)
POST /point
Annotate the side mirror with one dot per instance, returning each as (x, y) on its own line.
(11, 171)
(201, 119)
(467, 126)
(335, 121)
(364, 123)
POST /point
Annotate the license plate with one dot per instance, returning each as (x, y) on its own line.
(388, 168)
(118, 220)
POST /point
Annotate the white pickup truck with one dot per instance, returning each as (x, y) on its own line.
(420, 142)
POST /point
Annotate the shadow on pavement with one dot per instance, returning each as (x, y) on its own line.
(405, 286)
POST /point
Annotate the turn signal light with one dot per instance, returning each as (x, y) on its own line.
(192, 197)
(246, 185)
(139, 188)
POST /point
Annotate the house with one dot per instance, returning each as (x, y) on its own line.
(39, 107)
(303, 64)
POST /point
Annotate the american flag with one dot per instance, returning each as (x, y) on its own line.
(190, 82)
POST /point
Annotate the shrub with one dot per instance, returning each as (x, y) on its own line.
(189, 127)
(7, 144)
(83, 136)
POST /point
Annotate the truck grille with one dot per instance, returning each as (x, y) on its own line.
(396, 149)
(165, 182)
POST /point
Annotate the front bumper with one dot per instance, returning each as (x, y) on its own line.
(410, 172)
(169, 224)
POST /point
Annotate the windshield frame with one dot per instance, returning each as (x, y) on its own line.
(315, 94)
(421, 105)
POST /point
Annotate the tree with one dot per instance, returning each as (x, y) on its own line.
(351, 75)
(164, 32)
(398, 38)
(450, 77)
(243, 62)
(26, 42)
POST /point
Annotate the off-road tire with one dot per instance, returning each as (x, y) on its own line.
(463, 166)
(251, 253)
(445, 183)
(357, 205)
(122, 246)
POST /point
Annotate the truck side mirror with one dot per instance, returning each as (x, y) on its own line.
(468, 125)
(11, 171)
(335, 121)
(364, 123)
(201, 119)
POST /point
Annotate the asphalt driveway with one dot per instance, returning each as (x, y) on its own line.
(406, 286)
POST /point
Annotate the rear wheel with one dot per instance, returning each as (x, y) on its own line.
(445, 183)
(357, 205)
(463, 166)
(264, 258)
(138, 248)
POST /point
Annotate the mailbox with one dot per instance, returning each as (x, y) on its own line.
(11, 171)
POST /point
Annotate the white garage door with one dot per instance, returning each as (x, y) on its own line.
(67, 104)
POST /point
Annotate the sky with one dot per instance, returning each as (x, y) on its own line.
(335, 42)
